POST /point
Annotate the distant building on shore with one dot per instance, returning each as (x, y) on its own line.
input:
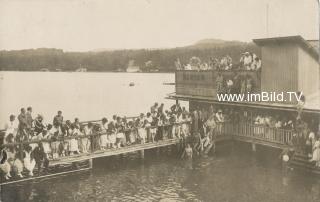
(44, 69)
(132, 68)
(81, 70)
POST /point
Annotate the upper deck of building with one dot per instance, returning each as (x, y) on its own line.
(288, 64)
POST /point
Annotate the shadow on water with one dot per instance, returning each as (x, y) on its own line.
(234, 173)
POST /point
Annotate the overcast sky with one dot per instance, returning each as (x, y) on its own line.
(81, 25)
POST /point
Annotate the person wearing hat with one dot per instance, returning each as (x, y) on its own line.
(38, 124)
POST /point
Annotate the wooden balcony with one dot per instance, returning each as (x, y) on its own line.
(204, 83)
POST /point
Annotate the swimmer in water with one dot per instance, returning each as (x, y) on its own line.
(187, 153)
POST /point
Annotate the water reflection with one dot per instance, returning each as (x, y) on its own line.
(229, 176)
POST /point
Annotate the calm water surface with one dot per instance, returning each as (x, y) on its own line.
(88, 96)
(227, 177)
(233, 176)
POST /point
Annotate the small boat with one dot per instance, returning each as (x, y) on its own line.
(131, 84)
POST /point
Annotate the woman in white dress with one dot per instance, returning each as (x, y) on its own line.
(85, 143)
(112, 135)
(316, 152)
(132, 133)
(142, 131)
(104, 141)
(74, 146)
(28, 161)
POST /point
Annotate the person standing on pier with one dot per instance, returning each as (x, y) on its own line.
(22, 125)
(29, 119)
(195, 122)
(11, 127)
(58, 119)
(85, 141)
(104, 142)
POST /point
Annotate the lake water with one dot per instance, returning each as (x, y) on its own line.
(88, 96)
(236, 176)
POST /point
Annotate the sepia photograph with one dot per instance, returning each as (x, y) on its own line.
(159, 100)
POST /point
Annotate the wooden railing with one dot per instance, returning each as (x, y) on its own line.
(203, 83)
(244, 130)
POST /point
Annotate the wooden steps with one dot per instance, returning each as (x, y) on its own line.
(301, 162)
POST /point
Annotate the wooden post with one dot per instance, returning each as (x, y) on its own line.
(90, 163)
(142, 154)
(254, 149)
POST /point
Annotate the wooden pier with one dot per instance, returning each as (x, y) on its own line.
(256, 135)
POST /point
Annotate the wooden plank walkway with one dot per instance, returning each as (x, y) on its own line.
(113, 152)
(123, 150)
(260, 141)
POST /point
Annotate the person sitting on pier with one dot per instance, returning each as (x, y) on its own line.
(5, 166)
(28, 160)
(18, 164)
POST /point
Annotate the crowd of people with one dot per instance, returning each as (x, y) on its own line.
(29, 142)
(234, 84)
(41, 142)
(248, 61)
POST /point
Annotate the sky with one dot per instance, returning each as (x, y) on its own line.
(84, 25)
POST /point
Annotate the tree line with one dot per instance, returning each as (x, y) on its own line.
(117, 60)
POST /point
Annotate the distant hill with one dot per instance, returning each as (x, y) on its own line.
(112, 60)
(214, 43)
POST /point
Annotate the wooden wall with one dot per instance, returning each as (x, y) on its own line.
(279, 68)
(308, 71)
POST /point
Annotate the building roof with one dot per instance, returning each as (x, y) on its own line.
(307, 46)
